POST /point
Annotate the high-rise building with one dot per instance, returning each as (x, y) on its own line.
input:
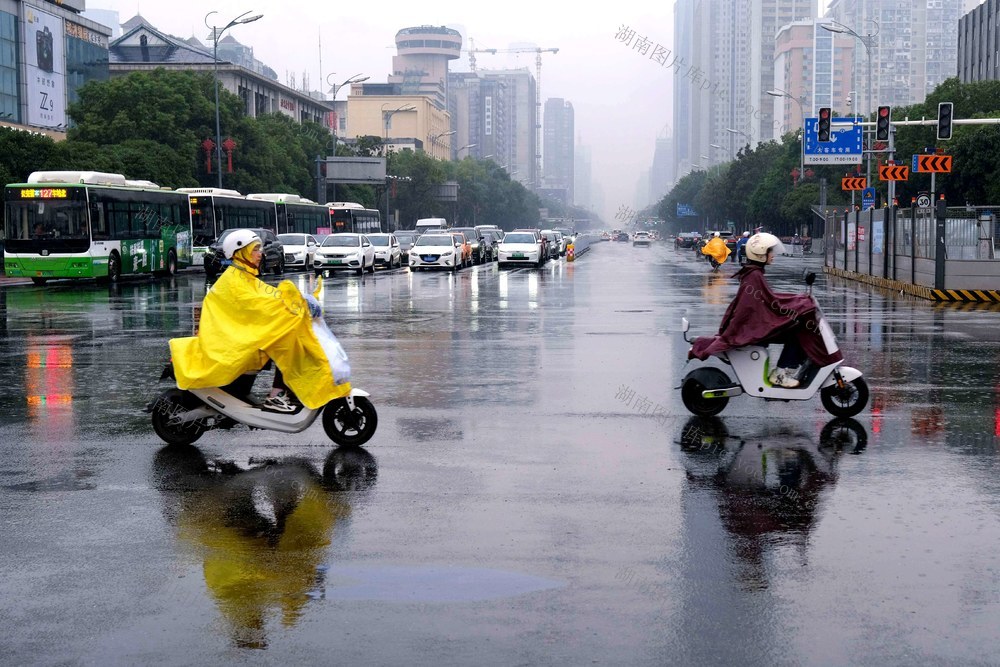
(722, 78)
(517, 97)
(477, 104)
(558, 132)
(913, 49)
(421, 64)
(813, 66)
(661, 173)
(583, 176)
(978, 44)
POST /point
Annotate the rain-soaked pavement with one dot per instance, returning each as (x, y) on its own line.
(535, 494)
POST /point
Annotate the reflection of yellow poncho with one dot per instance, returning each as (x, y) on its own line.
(245, 321)
(251, 575)
(717, 248)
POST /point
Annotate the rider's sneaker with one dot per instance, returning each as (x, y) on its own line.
(785, 378)
(278, 403)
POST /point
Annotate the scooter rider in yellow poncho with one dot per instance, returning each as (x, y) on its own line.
(716, 249)
(245, 322)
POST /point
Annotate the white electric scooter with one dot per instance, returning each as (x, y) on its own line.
(181, 416)
(708, 385)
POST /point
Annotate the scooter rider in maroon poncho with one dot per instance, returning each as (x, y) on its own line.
(758, 316)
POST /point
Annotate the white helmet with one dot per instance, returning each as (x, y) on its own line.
(714, 234)
(758, 245)
(746, 233)
(241, 238)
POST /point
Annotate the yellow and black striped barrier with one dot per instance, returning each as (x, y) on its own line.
(940, 295)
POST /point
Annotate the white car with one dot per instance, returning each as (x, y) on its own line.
(345, 251)
(436, 251)
(299, 250)
(520, 248)
(641, 238)
(387, 251)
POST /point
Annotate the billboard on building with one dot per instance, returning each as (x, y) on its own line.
(46, 67)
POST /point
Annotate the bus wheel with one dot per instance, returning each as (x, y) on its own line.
(114, 267)
(39, 281)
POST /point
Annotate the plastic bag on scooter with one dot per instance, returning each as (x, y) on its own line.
(334, 351)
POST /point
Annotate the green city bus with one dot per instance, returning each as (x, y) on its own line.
(295, 214)
(214, 210)
(80, 224)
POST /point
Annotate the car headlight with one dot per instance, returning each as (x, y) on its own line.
(447, 253)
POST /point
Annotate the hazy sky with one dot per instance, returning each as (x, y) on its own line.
(621, 98)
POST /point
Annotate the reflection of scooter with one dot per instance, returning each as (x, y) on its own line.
(767, 486)
(261, 531)
(708, 385)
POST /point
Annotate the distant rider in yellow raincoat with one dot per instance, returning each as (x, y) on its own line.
(717, 249)
(245, 322)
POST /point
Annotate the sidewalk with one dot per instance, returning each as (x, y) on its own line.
(13, 282)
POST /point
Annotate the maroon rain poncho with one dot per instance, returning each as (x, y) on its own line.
(759, 315)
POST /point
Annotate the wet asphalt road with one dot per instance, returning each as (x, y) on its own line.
(535, 494)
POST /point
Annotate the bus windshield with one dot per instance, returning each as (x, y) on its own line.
(59, 225)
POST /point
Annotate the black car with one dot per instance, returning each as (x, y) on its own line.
(687, 240)
(406, 239)
(475, 238)
(273, 259)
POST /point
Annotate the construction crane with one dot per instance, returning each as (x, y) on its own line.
(472, 51)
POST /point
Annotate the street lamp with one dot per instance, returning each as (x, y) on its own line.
(735, 131)
(459, 151)
(433, 138)
(216, 32)
(387, 116)
(869, 41)
(778, 92)
(335, 88)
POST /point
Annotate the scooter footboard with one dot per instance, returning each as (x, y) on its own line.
(849, 374)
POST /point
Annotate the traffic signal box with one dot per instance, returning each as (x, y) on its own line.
(823, 124)
(945, 110)
(882, 123)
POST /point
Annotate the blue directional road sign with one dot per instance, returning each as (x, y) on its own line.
(916, 164)
(846, 145)
(867, 198)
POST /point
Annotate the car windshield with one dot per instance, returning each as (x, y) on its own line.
(292, 239)
(406, 238)
(434, 239)
(379, 240)
(519, 237)
(337, 241)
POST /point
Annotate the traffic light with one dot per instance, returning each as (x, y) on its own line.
(882, 124)
(823, 126)
(944, 120)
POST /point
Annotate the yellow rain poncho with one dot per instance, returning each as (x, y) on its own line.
(244, 322)
(717, 249)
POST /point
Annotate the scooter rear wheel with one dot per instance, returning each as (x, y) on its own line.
(350, 428)
(169, 404)
(848, 401)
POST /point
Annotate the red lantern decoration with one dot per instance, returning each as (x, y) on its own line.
(229, 146)
(209, 147)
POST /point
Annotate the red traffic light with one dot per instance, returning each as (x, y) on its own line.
(883, 111)
(824, 113)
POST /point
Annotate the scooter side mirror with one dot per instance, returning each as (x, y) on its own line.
(685, 325)
(810, 278)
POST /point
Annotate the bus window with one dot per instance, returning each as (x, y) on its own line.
(98, 225)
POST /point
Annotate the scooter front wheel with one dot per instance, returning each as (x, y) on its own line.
(845, 401)
(698, 404)
(350, 428)
(165, 409)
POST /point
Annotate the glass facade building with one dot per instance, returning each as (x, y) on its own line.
(10, 109)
